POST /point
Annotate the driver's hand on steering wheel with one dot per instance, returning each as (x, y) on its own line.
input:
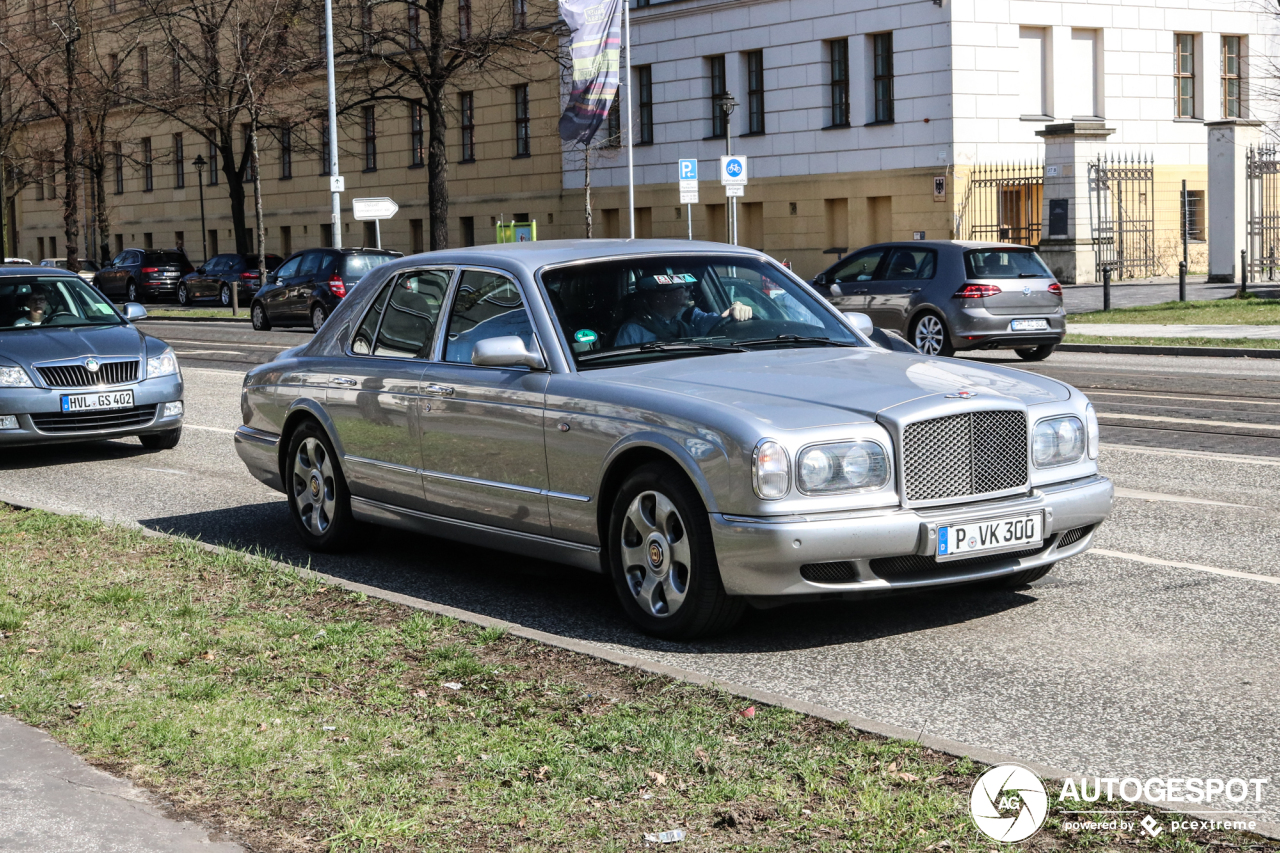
(738, 311)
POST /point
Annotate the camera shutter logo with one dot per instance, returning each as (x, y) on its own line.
(1009, 803)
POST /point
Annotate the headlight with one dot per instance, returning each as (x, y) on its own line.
(846, 467)
(1057, 441)
(1091, 425)
(14, 377)
(165, 364)
(771, 471)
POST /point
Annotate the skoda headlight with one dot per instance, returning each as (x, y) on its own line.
(1091, 425)
(771, 471)
(1057, 441)
(164, 364)
(846, 467)
(14, 377)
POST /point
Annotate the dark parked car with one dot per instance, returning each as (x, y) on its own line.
(310, 284)
(88, 268)
(220, 273)
(947, 295)
(142, 275)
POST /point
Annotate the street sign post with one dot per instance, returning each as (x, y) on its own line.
(733, 175)
(375, 209)
(689, 189)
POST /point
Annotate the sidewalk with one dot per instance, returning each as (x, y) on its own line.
(1153, 330)
(50, 800)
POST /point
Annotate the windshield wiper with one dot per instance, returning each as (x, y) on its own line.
(655, 346)
(797, 339)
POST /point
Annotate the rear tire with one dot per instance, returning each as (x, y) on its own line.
(319, 501)
(261, 322)
(183, 297)
(131, 292)
(318, 316)
(929, 335)
(1039, 353)
(166, 440)
(1021, 579)
(224, 296)
(659, 517)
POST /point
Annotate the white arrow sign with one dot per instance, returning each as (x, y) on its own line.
(373, 208)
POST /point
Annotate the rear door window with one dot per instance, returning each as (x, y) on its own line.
(1005, 263)
(911, 265)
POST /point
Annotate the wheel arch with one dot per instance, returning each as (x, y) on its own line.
(301, 411)
(929, 308)
(634, 452)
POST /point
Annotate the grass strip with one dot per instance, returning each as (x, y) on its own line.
(1249, 311)
(198, 313)
(301, 717)
(1232, 343)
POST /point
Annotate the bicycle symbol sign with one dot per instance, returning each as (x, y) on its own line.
(733, 170)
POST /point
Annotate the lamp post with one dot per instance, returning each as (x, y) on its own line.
(199, 163)
(726, 103)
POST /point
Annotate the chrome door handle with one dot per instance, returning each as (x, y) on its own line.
(343, 381)
(912, 290)
(440, 390)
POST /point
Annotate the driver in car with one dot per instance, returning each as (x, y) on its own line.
(37, 305)
(665, 314)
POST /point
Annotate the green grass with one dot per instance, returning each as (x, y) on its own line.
(299, 717)
(1233, 343)
(198, 313)
(1218, 312)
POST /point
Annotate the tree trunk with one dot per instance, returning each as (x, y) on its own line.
(586, 158)
(70, 171)
(102, 212)
(231, 170)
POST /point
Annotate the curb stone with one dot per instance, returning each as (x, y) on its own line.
(1202, 352)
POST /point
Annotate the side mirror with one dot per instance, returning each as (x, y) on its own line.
(133, 311)
(507, 351)
(200, 270)
(860, 321)
(821, 278)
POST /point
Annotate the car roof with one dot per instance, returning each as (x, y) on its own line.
(17, 269)
(943, 244)
(533, 256)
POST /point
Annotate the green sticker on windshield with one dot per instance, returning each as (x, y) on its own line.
(586, 336)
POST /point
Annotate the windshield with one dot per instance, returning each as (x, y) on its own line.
(358, 265)
(642, 309)
(30, 301)
(1005, 263)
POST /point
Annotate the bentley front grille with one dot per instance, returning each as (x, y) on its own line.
(975, 453)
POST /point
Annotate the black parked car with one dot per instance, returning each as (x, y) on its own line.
(142, 275)
(308, 286)
(220, 273)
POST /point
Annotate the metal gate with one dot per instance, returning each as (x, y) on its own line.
(1262, 169)
(1122, 199)
(1003, 203)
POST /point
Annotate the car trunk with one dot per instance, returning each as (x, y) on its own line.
(1021, 296)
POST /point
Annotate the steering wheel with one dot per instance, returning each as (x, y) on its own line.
(724, 322)
(55, 315)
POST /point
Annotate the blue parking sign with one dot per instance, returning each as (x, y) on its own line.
(688, 170)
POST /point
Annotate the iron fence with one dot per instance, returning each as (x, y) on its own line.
(1003, 204)
(1262, 171)
(1122, 215)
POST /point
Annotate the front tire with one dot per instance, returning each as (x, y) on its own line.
(166, 440)
(318, 316)
(1039, 353)
(224, 296)
(929, 335)
(662, 560)
(319, 501)
(183, 297)
(261, 322)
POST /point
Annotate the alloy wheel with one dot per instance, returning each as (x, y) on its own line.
(655, 554)
(225, 295)
(133, 293)
(317, 318)
(930, 335)
(314, 490)
(183, 298)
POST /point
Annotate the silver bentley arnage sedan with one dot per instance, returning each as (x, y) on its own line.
(689, 418)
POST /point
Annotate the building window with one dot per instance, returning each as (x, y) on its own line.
(286, 152)
(324, 37)
(644, 76)
(882, 59)
(415, 236)
(213, 163)
(1231, 77)
(522, 120)
(366, 26)
(1184, 73)
(467, 225)
(614, 128)
(144, 68)
(1031, 42)
(755, 91)
(148, 172)
(839, 82)
(415, 25)
(464, 19)
(325, 150)
(117, 158)
(519, 14)
(39, 182)
(370, 140)
(719, 123)
(179, 163)
(51, 176)
(175, 69)
(417, 150)
(468, 110)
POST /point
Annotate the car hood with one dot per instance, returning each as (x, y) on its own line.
(804, 388)
(54, 343)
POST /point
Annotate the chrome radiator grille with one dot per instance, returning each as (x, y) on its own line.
(971, 454)
(79, 376)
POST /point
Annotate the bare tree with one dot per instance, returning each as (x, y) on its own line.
(17, 103)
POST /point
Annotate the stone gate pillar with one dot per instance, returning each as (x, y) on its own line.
(1066, 242)
(1229, 141)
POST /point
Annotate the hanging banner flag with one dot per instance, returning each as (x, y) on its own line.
(595, 28)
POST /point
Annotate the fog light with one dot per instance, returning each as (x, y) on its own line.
(173, 410)
(8, 421)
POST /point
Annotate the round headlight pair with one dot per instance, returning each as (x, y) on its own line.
(1057, 442)
(846, 467)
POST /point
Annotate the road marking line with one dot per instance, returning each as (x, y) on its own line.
(211, 429)
(1096, 393)
(1165, 420)
(1178, 499)
(167, 471)
(1138, 558)
(1194, 454)
(281, 347)
(208, 352)
(236, 373)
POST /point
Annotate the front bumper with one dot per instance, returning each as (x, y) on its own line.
(149, 397)
(764, 557)
(260, 453)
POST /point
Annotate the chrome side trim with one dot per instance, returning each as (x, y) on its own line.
(390, 466)
(567, 497)
(257, 436)
(457, 478)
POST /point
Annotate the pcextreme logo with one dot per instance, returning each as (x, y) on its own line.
(1009, 803)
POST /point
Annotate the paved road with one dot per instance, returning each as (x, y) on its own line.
(1153, 655)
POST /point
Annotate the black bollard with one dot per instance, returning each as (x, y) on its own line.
(1106, 288)
(1244, 271)
(1182, 281)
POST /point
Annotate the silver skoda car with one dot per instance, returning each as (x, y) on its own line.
(688, 418)
(73, 368)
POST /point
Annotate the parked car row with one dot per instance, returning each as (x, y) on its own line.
(306, 288)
